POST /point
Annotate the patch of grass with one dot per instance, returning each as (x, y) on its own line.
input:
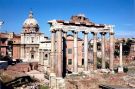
(43, 87)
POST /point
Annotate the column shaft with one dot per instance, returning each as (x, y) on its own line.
(52, 61)
(75, 69)
(95, 51)
(103, 49)
(111, 50)
(86, 51)
(121, 64)
(59, 54)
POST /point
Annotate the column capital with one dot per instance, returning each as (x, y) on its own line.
(94, 33)
(103, 33)
(121, 41)
(85, 32)
(75, 31)
(58, 29)
(64, 31)
(111, 33)
(52, 31)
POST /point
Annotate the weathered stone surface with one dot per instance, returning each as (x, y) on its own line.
(96, 79)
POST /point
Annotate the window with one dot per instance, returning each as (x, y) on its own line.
(32, 56)
(46, 56)
(82, 61)
(27, 39)
(32, 39)
(83, 49)
(69, 51)
(32, 49)
(69, 61)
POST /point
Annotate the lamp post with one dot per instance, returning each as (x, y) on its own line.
(1, 23)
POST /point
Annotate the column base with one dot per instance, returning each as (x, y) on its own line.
(60, 83)
(120, 69)
(86, 72)
(105, 70)
(75, 73)
(52, 80)
(52, 74)
(112, 72)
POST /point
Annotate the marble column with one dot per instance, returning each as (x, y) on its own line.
(94, 50)
(85, 51)
(103, 49)
(111, 50)
(53, 58)
(121, 64)
(59, 54)
(52, 61)
(75, 61)
(120, 69)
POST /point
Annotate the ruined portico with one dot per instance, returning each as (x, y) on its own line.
(79, 23)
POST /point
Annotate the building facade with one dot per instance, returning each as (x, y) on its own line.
(70, 52)
(30, 39)
(44, 52)
(16, 46)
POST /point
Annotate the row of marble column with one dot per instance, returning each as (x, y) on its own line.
(57, 59)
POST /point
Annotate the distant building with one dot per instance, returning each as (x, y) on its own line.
(10, 45)
(34, 46)
(16, 46)
(44, 51)
(6, 47)
(70, 52)
(3, 44)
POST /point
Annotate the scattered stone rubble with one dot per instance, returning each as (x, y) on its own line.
(24, 69)
(97, 78)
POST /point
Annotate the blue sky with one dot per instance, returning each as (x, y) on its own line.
(120, 13)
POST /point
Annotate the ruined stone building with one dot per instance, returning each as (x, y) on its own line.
(78, 23)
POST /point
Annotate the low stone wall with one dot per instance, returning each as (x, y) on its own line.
(23, 67)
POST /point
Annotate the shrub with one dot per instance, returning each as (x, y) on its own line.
(125, 69)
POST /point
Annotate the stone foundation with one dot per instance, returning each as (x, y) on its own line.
(56, 82)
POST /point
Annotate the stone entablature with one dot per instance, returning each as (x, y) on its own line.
(67, 26)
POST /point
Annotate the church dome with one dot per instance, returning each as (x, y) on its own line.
(30, 21)
(30, 25)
